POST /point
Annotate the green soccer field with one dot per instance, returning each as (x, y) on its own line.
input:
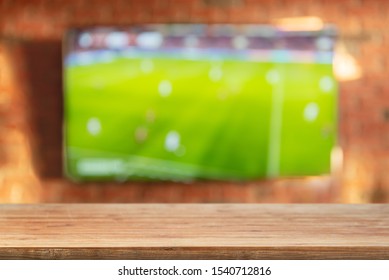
(180, 119)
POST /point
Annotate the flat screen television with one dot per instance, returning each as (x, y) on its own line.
(197, 101)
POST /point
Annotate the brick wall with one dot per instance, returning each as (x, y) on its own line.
(31, 100)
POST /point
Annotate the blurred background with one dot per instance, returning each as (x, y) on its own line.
(31, 100)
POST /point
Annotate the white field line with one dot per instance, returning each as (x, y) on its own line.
(273, 161)
(153, 163)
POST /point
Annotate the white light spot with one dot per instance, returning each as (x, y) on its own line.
(165, 88)
(117, 40)
(149, 40)
(191, 41)
(215, 74)
(172, 141)
(93, 126)
(273, 77)
(311, 111)
(240, 42)
(146, 66)
(324, 43)
(326, 84)
(85, 40)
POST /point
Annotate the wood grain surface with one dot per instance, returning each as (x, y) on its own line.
(194, 231)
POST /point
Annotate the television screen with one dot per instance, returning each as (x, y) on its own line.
(195, 101)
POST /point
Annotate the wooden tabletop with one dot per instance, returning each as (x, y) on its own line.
(194, 231)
